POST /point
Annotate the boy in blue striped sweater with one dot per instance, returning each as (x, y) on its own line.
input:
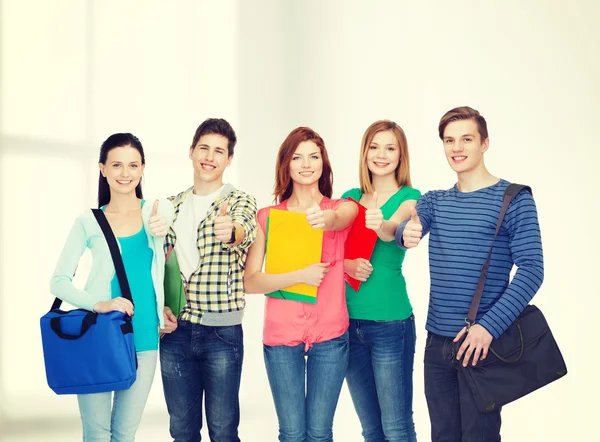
(461, 223)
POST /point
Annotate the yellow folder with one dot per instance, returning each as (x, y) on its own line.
(292, 244)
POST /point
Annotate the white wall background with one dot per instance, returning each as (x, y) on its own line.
(72, 72)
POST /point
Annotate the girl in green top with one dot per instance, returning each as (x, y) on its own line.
(382, 327)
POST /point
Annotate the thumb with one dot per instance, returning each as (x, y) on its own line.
(155, 208)
(314, 195)
(414, 216)
(223, 209)
(374, 204)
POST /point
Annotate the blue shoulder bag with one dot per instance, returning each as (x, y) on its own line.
(87, 352)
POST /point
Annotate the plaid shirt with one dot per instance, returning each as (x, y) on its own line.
(215, 290)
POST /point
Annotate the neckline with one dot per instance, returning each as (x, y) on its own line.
(131, 236)
(388, 200)
(458, 191)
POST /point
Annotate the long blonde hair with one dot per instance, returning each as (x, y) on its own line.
(402, 170)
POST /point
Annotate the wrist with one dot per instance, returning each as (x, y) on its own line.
(233, 237)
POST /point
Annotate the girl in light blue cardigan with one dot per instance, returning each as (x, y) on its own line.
(140, 229)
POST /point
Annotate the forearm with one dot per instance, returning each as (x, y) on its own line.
(259, 282)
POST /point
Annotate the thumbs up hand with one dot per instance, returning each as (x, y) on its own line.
(314, 215)
(157, 224)
(373, 214)
(223, 224)
(413, 231)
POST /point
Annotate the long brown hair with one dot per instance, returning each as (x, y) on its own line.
(402, 170)
(283, 181)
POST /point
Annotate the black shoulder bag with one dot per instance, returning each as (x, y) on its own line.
(524, 358)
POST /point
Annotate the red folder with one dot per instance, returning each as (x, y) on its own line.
(360, 242)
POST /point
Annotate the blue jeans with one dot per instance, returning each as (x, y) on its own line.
(380, 378)
(452, 411)
(119, 422)
(196, 361)
(306, 390)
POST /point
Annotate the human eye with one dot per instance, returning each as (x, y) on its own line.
(372, 147)
(468, 139)
(315, 157)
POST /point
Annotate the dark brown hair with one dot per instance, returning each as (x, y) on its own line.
(283, 181)
(463, 113)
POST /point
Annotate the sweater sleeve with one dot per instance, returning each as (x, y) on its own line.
(424, 210)
(525, 244)
(61, 284)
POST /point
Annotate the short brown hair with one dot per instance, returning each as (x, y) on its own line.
(402, 170)
(463, 113)
(283, 180)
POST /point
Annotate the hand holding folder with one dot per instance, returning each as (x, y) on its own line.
(360, 242)
(292, 244)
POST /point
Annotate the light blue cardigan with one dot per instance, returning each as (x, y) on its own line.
(86, 233)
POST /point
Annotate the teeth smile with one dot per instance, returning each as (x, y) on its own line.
(123, 182)
(459, 158)
(208, 167)
(306, 173)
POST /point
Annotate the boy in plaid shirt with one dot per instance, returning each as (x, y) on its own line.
(213, 227)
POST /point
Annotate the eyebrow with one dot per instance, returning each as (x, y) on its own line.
(312, 153)
(206, 145)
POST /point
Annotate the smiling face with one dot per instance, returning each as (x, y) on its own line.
(383, 155)
(210, 158)
(306, 165)
(123, 169)
(463, 146)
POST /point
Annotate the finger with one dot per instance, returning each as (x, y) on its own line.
(476, 355)
(484, 353)
(223, 209)
(364, 261)
(463, 348)
(468, 354)
(460, 334)
(414, 216)
(374, 203)
(324, 264)
(155, 208)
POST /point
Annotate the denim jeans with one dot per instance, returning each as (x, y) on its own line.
(119, 422)
(306, 387)
(452, 411)
(380, 378)
(197, 362)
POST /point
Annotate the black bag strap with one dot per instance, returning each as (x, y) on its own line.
(113, 246)
(509, 194)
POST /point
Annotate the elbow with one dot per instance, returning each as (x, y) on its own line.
(249, 286)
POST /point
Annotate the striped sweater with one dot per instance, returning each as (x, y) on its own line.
(461, 228)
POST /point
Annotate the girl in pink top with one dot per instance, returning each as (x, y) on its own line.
(301, 338)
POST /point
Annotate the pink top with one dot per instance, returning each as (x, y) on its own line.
(290, 322)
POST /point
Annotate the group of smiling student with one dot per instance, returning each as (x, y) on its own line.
(366, 337)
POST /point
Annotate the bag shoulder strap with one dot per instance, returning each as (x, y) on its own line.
(509, 194)
(115, 253)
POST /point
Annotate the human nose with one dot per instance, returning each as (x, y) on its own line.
(457, 146)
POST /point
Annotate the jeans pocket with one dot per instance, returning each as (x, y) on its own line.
(229, 334)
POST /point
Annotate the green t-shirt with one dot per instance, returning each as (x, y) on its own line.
(383, 296)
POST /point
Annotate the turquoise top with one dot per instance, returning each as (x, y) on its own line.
(86, 234)
(137, 260)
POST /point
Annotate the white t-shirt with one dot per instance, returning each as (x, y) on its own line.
(191, 213)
